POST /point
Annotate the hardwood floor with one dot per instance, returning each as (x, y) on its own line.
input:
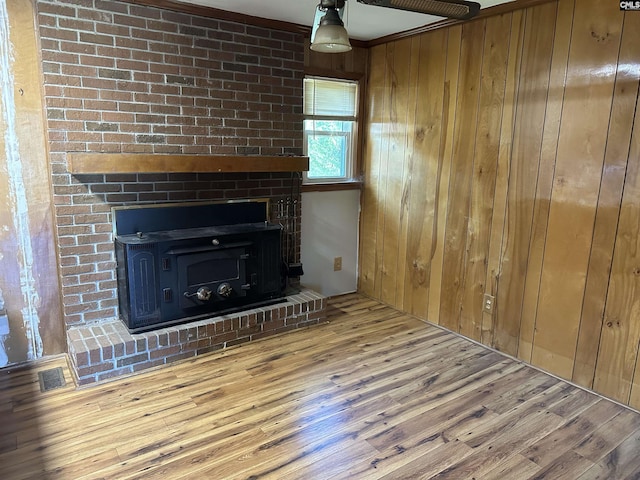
(371, 394)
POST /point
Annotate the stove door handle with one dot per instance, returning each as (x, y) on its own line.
(225, 290)
(203, 294)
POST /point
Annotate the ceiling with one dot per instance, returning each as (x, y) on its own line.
(363, 22)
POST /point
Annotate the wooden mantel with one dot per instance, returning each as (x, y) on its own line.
(91, 163)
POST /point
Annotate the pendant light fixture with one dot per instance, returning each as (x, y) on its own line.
(331, 36)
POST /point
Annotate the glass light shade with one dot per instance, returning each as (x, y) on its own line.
(331, 39)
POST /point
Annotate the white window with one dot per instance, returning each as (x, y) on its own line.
(330, 112)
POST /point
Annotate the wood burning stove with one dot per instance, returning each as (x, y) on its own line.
(180, 263)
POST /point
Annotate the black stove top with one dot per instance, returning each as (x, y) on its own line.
(191, 233)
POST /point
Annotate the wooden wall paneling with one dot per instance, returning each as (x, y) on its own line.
(542, 202)
(9, 236)
(383, 169)
(29, 278)
(531, 101)
(339, 61)
(425, 167)
(634, 318)
(354, 61)
(376, 97)
(618, 352)
(485, 163)
(449, 102)
(608, 210)
(502, 170)
(595, 42)
(398, 60)
(350, 64)
(359, 61)
(557, 199)
(407, 173)
(457, 225)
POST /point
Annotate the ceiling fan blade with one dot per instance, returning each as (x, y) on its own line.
(458, 9)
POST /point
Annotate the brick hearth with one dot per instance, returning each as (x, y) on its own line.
(107, 350)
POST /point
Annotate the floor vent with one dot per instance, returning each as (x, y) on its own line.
(51, 379)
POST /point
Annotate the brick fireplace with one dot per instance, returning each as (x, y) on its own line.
(124, 78)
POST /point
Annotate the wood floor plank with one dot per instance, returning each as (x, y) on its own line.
(423, 425)
(515, 467)
(482, 433)
(568, 465)
(602, 441)
(325, 462)
(575, 402)
(552, 446)
(293, 446)
(535, 384)
(501, 446)
(621, 463)
(476, 370)
(397, 457)
(431, 463)
(371, 394)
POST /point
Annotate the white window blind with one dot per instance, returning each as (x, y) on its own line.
(324, 98)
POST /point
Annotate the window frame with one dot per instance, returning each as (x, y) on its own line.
(353, 145)
(348, 164)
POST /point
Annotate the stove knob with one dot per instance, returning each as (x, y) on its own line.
(203, 294)
(225, 290)
(215, 241)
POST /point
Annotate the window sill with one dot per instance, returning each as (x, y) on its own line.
(332, 187)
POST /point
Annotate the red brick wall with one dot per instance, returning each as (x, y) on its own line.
(126, 78)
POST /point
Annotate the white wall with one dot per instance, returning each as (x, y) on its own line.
(329, 230)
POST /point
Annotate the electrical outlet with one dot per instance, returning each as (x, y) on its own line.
(487, 303)
(337, 264)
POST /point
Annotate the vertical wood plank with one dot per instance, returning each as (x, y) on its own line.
(595, 42)
(29, 279)
(634, 400)
(371, 171)
(339, 61)
(608, 210)
(450, 98)
(503, 167)
(408, 173)
(487, 147)
(424, 168)
(382, 180)
(542, 202)
(455, 255)
(617, 356)
(531, 102)
(399, 71)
